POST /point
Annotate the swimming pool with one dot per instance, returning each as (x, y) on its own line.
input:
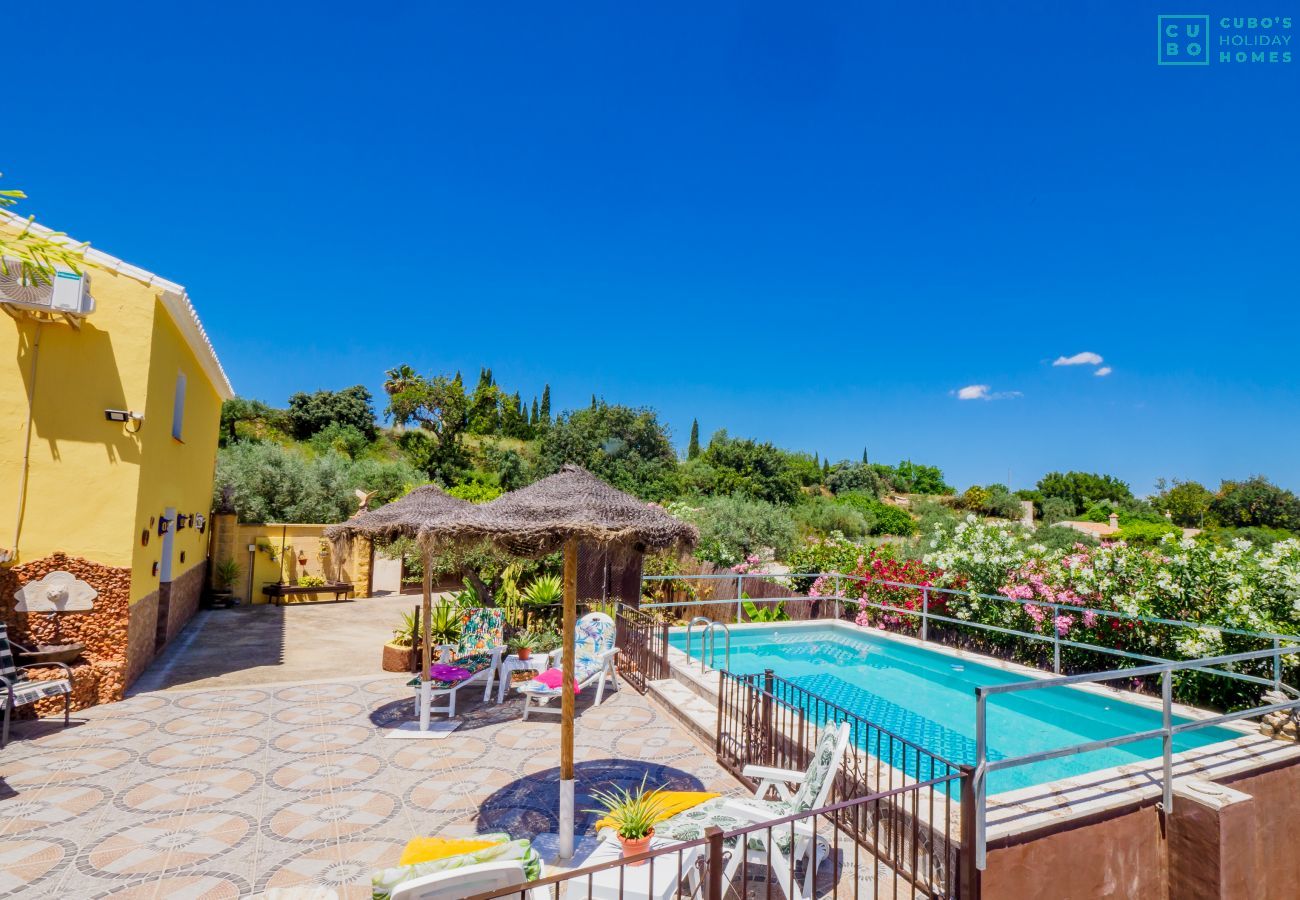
(928, 697)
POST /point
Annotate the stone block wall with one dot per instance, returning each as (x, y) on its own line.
(120, 637)
(184, 600)
(141, 636)
(101, 676)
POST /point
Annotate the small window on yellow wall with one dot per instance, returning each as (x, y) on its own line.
(178, 408)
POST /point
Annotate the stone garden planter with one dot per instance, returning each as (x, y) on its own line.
(50, 653)
(397, 658)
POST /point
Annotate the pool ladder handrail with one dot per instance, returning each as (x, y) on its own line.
(710, 635)
(707, 621)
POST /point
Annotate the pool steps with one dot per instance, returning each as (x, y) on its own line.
(697, 715)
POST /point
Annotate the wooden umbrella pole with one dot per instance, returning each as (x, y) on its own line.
(426, 699)
(567, 698)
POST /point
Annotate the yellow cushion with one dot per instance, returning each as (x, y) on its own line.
(424, 849)
(670, 803)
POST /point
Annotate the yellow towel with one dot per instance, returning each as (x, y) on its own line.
(670, 803)
(424, 849)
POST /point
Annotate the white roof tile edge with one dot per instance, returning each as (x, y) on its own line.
(175, 300)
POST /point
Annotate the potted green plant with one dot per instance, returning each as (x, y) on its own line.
(523, 644)
(224, 576)
(633, 815)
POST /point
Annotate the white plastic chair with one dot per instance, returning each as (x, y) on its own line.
(812, 787)
(456, 884)
(798, 792)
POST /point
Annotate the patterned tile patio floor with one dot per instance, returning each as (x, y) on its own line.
(226, 792)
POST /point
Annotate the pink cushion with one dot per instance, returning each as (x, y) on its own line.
(442, 672)
(553, 678)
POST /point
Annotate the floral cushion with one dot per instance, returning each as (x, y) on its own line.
(818, 770)
(474, 663)
(690, 825)
(384, 881)
(593, 635)
(481, 630)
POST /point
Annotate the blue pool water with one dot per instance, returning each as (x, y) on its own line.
(928, 698)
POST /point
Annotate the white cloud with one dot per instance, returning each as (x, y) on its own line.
(981, 392)
(1086, 358)
(1103, 371)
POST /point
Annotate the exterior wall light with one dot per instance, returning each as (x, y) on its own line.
(125, 416)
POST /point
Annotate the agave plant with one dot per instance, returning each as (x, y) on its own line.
(544, 590)
(405, 633)
(633, 813)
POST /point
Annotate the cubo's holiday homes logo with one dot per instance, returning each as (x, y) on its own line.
(1198, 40)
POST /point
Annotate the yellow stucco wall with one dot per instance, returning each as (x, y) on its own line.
(302, 540)
(92, 486)
(174, 473)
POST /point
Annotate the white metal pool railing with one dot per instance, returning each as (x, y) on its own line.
(709, 635)
(1057, 641)
(1166, 731)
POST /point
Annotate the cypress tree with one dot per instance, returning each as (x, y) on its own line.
(532, 417)
(545, 409)
(865, 461)
(693, 449)
(593, 401)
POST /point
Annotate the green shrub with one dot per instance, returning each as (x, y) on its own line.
(821, 515)
(881, 517)
(834, 554)
(1146, 533)
(973, 498)
(1257, 535)
(847, 477)
(931, 515)
(1002, 503)
(1256, 502)
(1058, 537)
(475, 491)
(734, 528)
(1057, 509)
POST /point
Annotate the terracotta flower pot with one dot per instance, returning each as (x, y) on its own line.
(635, 846)
(397, 658)
(524, 652)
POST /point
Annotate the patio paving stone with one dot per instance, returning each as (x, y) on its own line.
(227, 790)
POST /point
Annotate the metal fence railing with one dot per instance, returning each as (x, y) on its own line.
(926, 616)
(1166, 732)
(796, 856)
(1263, 668)
(765, 720)
(642, 640)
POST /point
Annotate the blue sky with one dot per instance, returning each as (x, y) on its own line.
(810, 225)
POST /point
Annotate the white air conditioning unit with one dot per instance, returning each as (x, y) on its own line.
(66, 294)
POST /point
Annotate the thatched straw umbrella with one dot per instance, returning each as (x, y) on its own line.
(405, 517)
(561, 511)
